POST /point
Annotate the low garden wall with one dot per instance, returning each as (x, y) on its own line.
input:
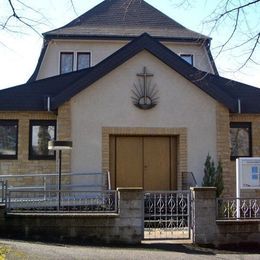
(125, 227)
(208, 230)
(238, 232)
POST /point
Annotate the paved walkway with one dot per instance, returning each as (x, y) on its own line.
(155, 251)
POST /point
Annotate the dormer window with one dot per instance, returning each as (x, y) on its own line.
(71, 61)
(188, 58)
(83, 60)
(66, 62)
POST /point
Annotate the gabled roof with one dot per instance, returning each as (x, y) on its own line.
(145, 42)
(124, 18)
(61, 88)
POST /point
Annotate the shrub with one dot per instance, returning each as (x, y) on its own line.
(213, 176)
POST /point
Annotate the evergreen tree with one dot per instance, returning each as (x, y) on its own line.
(213, 176)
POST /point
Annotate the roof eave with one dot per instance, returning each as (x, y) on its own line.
(120, 37)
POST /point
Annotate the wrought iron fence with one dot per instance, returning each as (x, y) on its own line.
(238, 208)
(165, 213)
(62, 201)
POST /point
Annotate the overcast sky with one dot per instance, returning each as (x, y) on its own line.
(19, 51)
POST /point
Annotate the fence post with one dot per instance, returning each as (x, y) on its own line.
(131, 221)
(204, 215)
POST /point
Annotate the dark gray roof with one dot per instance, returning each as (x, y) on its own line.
(61, 88)
(127, 18)
(32, 95)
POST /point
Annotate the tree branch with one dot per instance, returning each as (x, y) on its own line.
(231, 35)
(249, 58)
(19, 18)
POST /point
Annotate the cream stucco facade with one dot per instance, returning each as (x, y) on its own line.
(99, 50)
(107, 103)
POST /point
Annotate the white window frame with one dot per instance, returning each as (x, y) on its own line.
(75, 57)
(82, 52)
(188, 54)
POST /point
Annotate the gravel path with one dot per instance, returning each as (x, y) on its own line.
(155, 251)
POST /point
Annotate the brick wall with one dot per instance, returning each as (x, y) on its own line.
(223, 147)
(22, 165)
(255, 120)
(64, 133)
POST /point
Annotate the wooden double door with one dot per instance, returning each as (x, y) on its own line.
(143, 161)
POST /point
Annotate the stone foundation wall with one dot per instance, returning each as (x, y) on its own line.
(124, 227)
(238, 232)
(127, 225)
(207, 230)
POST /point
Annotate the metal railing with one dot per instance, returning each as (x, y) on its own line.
(21, 201)
(238, 208)
(44, 182)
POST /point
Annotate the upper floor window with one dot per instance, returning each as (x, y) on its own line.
(8, 139)
(83, 60)
(188, 58)
(66, 62)
(240, 140)
(41, 132)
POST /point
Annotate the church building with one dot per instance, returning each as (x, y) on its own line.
(138, 94)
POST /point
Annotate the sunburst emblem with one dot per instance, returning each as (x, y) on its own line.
(145, 94)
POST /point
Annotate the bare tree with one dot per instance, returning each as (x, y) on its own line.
(234, 15)
(237, 15)
(227, 13)
(16, 17)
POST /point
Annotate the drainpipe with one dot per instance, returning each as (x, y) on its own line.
(239, 106)
(48, 103)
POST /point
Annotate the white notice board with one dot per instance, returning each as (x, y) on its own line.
(248, 173)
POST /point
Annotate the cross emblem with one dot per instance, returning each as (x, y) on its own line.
(144, 95)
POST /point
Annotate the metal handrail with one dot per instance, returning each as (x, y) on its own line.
(7, 176)
(21, 201)
(41, 181)
(192, 178)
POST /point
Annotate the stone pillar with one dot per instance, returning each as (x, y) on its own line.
(204, 215)
(131, 221)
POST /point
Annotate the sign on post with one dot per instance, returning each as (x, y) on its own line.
(247, 176)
